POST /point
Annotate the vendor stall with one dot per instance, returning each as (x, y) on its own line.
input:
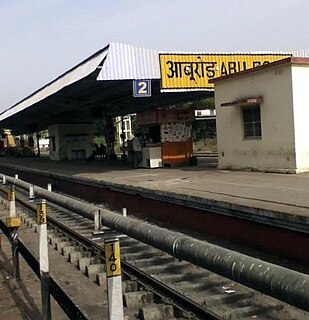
(166, 137)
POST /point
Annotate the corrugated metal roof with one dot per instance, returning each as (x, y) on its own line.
(117, 62)
(122, 62)
(302, 53)
(297, 53)
(77, 73)
(126, 62)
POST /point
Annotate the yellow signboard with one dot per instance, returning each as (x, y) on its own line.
(112, 258)
(192, 71)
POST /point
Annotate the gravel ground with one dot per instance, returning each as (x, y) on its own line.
(22, 299)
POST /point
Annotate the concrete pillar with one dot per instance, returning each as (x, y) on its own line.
(44, 260)
(113, 277)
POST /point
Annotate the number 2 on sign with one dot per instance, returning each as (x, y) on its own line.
(142, 87)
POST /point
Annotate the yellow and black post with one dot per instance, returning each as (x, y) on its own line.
(11, 200)
(113, 278)
(43, 256)
(13, 223)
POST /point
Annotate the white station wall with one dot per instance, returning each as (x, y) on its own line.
(72, 141)
(53, 142)
(275, 151)
(300, 76)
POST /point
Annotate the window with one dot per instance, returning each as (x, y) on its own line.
(252, 122)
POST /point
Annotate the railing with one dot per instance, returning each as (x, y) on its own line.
(63, 300)
(279, 282)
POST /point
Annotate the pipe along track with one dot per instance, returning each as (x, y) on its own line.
(237, 305)
(284, 284)
(163, 292)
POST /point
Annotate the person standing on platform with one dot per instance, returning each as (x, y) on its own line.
(137, 150)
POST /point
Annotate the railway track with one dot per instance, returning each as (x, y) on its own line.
(155, 283)
(248, 225)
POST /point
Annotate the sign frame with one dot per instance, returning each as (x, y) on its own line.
(192, 71)
(142, 88)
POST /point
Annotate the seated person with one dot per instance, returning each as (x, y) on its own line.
(98, 151)
(101, 150)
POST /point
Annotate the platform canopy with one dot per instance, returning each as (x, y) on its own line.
(100, 85)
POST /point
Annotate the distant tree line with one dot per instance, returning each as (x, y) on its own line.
(204, 129)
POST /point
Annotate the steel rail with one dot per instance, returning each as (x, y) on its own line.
(160, 289)
(284, 284)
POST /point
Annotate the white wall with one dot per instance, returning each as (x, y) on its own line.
(300, 76)
(53, 132)
(71, 140)
(275, 151)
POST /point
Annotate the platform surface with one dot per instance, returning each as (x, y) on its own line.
(286, 193)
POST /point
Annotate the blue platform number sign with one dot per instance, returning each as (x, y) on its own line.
(141, 88)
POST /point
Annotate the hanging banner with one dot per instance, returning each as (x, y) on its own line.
(192, 71)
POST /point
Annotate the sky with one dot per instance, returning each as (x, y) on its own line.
(41, 39)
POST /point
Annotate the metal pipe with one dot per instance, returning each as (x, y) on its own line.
(279, 282)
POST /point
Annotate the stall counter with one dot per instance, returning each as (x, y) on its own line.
(151, 157)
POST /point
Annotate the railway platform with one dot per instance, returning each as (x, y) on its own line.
(284, 197)
(88, 211)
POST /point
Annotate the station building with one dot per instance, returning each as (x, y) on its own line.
(70, 141)
(262, 118)
(119, 80)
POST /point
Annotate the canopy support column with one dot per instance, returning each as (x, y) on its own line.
(38, 145)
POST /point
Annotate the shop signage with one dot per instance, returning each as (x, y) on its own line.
(165, 116)
(192, 71)
(180, 115)
(141, 88)
(149, 117)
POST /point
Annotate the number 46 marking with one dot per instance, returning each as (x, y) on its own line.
(142, 88)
